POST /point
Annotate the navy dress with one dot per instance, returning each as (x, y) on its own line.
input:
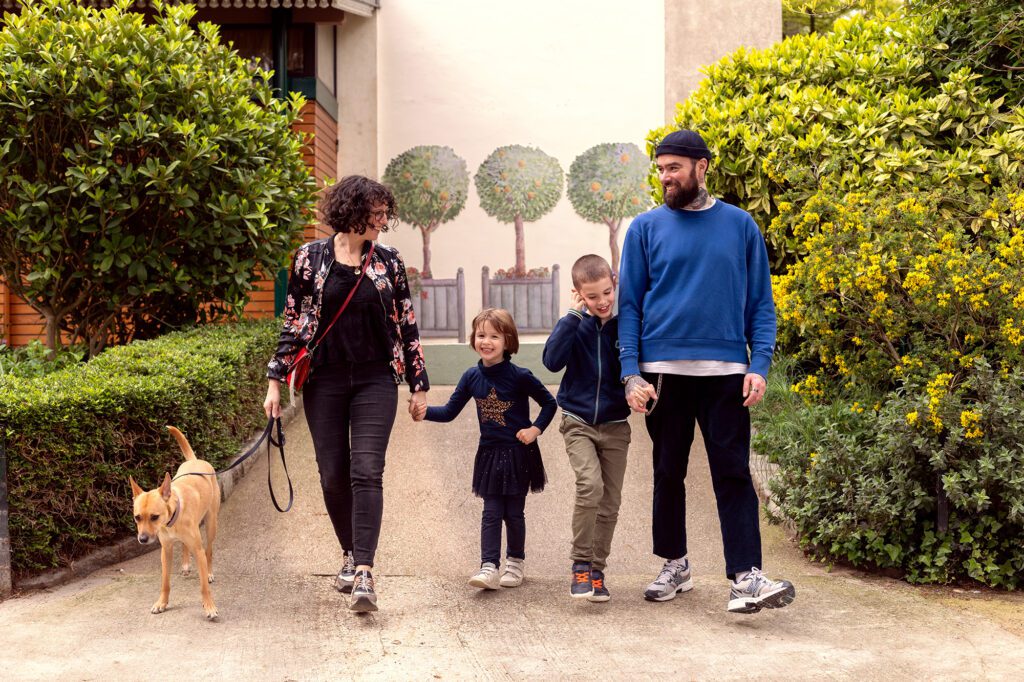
(503, 465)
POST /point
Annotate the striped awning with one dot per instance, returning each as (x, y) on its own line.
(363, 8)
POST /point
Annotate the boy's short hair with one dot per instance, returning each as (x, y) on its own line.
(590, 268)
(503, 323)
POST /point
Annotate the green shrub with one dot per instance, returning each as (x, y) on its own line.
(147, 173)
(874, 482)
(35, 359)
(74, 436)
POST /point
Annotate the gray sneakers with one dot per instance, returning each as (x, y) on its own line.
(673, 579)
(347, 574)
(757, 591)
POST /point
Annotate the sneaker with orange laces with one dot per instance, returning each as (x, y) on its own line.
(600, 591)
(581, 586)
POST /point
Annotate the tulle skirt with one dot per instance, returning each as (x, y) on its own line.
(508, 470)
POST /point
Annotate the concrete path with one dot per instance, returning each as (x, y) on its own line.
(281, 619)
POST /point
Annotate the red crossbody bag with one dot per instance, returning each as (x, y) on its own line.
(299, 372)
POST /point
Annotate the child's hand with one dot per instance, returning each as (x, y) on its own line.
(577, 301)
(528, 435)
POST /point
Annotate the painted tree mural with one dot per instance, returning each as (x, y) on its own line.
(607, 183)
(518, 184)
(430, 184)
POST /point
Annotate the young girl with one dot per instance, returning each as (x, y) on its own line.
(508, 462)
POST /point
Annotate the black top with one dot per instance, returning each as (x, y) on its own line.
(360, 334)
(502, 394)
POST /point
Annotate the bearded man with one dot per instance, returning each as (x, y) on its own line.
(696, 334)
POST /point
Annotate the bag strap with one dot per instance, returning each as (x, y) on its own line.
(366, 266)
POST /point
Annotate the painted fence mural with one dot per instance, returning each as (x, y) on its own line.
(516, 185)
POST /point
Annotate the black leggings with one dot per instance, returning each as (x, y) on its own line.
(350, 409)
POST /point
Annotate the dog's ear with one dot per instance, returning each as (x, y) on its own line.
(165, 487)
(136, 490)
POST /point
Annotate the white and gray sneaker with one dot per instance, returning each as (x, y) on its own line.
(514, 573)
(757, 591)
(487, 577)
(673, 579)
(347, 574)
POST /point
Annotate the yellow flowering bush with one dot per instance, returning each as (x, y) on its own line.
(893, 289)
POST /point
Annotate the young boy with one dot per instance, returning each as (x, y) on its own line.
(594, 413)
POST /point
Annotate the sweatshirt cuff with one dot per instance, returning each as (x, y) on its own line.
(630, 365)
(759, 366)
(575, 313)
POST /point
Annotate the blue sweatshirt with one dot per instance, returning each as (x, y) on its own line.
(695, 285)
(589, 352)
(502, 394)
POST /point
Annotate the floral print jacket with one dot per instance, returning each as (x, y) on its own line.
(310, 265)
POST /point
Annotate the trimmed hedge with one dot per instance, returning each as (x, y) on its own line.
(74, 436)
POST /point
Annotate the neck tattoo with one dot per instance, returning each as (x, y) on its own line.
(702, 200)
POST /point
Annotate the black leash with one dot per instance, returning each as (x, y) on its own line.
(267, 435)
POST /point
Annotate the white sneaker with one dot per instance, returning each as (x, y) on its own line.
(757, 591)
(514, 573)
(486, 578)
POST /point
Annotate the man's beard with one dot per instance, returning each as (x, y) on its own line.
(682, 196)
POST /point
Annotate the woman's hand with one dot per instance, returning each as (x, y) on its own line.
(272, 405)
(418, 405)
(528, 435)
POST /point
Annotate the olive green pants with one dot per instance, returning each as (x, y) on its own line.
(598, 457)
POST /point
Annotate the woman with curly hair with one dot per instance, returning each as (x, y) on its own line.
(351, 395)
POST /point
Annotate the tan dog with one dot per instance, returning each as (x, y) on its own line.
(173, 512)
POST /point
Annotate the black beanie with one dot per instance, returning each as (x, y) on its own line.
(684, 143)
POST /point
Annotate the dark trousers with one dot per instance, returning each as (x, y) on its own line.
(350, 410)
(511, 510)
(716, 404)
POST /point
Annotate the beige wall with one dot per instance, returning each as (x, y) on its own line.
(562, 76)
(698, 33)
(357, 96)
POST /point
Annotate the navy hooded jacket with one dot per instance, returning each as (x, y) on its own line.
(591, 390)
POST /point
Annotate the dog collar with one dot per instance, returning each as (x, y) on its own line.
(174, 516)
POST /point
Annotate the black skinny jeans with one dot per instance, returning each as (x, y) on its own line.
(350, 409)
(510, 509)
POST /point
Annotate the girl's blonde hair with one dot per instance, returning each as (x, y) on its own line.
(503, 323)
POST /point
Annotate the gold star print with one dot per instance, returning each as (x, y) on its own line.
(492, 408)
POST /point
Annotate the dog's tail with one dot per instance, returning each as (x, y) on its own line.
(186, 449)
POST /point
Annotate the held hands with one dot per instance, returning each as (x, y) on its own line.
(527, 435)
(638, 392)
(418, 406)
(754, 387)
(272, 404)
